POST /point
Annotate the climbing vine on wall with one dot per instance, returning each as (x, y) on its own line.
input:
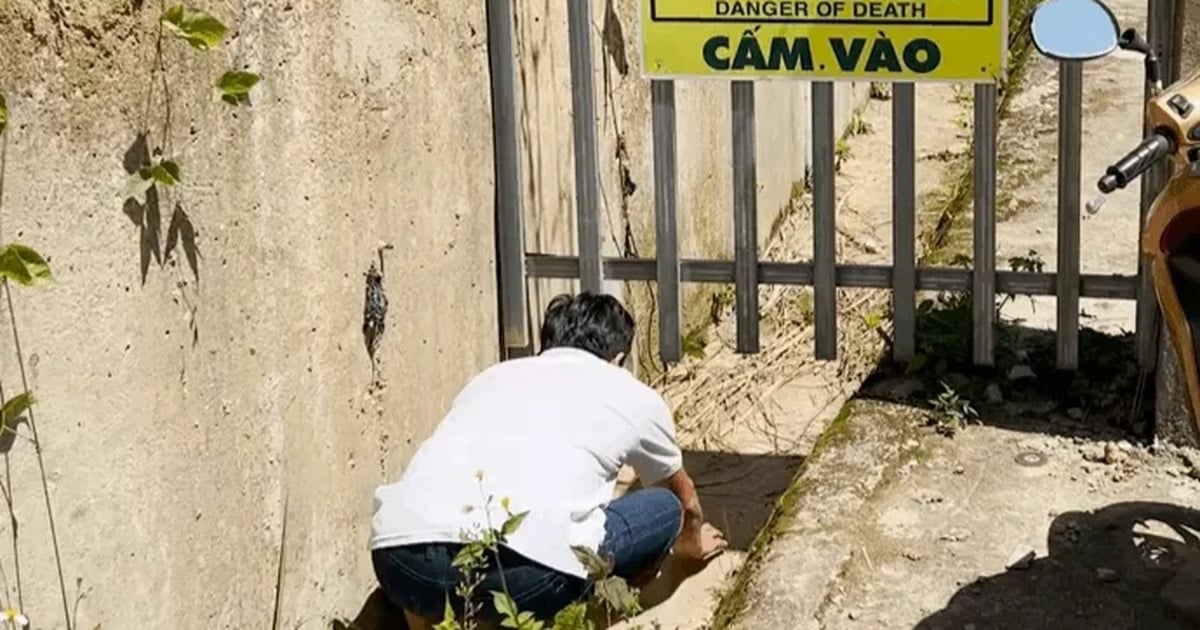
(203, 32)
(24, 266)
(156, 173)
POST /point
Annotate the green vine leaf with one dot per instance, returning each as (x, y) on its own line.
(618, 596)
(504, 604)
(573, 617)
(165, 172)
(471, 555)
(23, 265)
(513, 523)
(448, 621)
(10, 416)
(513, 618)
(3, 114)
(201, 30)
(13, 408)
(234, 86)
(598, 567)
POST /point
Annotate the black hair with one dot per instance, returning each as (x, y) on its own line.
(597, 323)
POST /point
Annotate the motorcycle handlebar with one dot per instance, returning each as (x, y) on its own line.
(1155, 147)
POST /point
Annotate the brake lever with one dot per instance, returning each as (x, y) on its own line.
(1096, 203)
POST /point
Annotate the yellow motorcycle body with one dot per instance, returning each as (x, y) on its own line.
(1171, 237)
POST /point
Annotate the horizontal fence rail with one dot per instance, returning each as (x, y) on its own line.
(746, 272)
(1113, 287)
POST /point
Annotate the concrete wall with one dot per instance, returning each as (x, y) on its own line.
(187, 417)
(171, 461)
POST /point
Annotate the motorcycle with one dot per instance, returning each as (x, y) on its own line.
(1081, 30)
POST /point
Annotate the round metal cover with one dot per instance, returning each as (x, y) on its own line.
(1031, 459)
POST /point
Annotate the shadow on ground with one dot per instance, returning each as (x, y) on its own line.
(1128, 565)
(376, 614)
(738, 493)
(1107, 398)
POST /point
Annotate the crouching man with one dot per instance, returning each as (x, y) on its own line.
(545, 435)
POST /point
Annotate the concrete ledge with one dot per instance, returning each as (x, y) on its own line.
(798, 552)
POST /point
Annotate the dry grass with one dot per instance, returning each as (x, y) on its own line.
(715, 391)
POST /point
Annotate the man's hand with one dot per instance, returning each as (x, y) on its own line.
(698, 540)
(703, 543)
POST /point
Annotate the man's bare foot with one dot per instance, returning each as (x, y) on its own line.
(705, 546)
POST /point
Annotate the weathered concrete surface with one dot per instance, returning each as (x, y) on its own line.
(181, 418)
(1188, 29)
(808, 553)
(898, 527)
(1108, 525)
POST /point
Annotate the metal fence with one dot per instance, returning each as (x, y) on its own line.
(746, 272)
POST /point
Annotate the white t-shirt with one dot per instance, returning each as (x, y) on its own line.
(550, 433)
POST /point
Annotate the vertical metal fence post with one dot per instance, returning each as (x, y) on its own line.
(670, 342)
(983, 292)
(904, 232)
(506, 158)
(824, 223)
(1160, 34)
(745, 216)
(1070, 115)
(587, 171)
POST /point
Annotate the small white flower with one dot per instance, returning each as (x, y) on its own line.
(15, 618)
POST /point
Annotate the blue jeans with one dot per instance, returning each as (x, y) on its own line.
(640, 529)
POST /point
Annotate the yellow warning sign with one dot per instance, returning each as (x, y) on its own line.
(881, 40)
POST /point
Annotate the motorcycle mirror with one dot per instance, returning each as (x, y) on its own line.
(1074, 30)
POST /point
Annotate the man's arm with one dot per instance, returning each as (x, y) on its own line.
(659, 461)
(682, 486)
(697, 540)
